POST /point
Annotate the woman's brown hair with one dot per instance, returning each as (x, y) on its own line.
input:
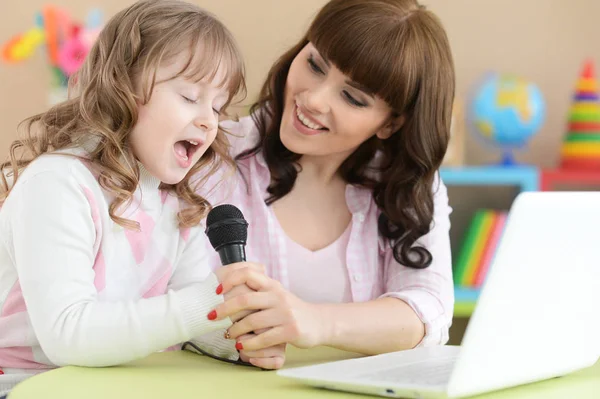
(399, 51)
(104, 96)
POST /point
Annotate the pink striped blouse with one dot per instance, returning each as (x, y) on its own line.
(372, 270)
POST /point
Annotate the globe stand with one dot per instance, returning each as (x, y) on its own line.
(508, 159)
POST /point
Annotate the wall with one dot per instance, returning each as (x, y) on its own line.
(544, 44)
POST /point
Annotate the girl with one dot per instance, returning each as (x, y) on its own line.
(99, 237)
(338, 178)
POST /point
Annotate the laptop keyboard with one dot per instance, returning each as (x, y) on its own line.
(427, 372)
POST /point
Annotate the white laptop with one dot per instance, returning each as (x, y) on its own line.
(537, 316)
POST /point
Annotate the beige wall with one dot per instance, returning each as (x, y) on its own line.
(545, 44)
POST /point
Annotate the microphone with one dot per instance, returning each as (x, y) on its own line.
(227, 231)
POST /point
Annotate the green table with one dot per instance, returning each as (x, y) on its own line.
(174, 375)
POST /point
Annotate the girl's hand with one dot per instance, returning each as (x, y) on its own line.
(287, 318)
(224, 271)
(269, 358)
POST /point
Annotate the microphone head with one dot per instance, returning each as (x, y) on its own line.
(225, 224)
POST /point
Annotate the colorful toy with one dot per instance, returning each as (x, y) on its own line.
(581, 146)
(71, 55)
(66, 41)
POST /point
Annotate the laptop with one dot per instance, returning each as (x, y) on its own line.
(537, 316)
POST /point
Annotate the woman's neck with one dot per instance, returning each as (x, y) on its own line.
(322, 169)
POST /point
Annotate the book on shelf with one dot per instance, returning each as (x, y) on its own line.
(478, 248)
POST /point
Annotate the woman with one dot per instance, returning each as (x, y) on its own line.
(338, 179)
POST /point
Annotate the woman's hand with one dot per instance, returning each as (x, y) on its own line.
(285, 317)
(269, 358)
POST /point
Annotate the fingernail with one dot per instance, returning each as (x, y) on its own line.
(212, 315)
(219, 289)
(239, 346)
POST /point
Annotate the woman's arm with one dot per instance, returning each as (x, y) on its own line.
(429, 292)
(377, 326)
(218, 186)
(416, 309)
(241, 134)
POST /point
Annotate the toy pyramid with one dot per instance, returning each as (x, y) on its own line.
(581, 145)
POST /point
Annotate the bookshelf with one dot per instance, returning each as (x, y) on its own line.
(525, 177)
(551, 177)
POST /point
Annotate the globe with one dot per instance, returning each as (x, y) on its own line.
(506, 112)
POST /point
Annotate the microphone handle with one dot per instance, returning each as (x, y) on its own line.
(232, 253)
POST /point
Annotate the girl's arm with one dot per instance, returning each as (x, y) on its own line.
(53, 236)
(194, 268)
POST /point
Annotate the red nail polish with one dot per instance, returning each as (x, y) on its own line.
(219, 289)
(212, 315)
(1, 372)
(239, 346)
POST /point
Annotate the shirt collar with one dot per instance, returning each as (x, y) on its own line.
(358, 198)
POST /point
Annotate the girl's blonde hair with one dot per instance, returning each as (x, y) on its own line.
(102, 105)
